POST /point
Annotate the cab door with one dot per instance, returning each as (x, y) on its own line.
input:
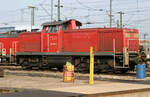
(53, 42)
(50, 39)
(44, 39)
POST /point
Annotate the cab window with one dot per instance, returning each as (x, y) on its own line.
(51, 29)
(64, 27)
(47, 30)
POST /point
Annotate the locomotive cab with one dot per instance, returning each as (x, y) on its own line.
(52, 34)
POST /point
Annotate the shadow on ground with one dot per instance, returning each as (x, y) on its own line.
(39, 93)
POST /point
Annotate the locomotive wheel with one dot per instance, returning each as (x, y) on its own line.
(60, 68)
(120, 70)
(116, 70)
(25, 66)
(124, 70)
(82, 67)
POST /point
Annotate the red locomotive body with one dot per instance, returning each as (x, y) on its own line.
(80, 40)
(8, 48)
(102, 39)
(7, 43)
(64, 40)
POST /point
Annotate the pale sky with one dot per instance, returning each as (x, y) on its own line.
(16, 12)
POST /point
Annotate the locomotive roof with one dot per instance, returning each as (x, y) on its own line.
(60, 22)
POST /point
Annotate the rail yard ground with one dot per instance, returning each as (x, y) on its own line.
(50, 84)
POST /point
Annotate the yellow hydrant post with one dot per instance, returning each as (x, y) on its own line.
(91, 80)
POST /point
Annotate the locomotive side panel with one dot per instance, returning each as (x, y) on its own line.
(110, 40)
(80, 40)
(131, 39)
(30, 42)
(102, 39)
(7, 43)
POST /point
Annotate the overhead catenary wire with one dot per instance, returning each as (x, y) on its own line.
(84, 6)
(88, 6)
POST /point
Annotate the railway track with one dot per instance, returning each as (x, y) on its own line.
(18, 71)
(11, 67)
(55, 73)
(19, 68)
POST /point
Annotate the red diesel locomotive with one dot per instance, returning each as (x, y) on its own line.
(58, 42)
